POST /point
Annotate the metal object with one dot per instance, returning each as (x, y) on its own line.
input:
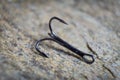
(88, 58)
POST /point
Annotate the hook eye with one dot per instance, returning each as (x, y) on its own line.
(88, 58)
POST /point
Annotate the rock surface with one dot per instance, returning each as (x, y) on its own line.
(94, 28)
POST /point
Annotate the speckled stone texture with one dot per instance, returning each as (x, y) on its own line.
(94, 27)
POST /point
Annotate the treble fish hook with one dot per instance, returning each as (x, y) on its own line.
(63, 43)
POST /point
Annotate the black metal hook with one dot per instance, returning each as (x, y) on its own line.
(60, 41)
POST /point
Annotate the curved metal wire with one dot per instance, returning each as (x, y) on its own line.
(56, 19)
(63, 43)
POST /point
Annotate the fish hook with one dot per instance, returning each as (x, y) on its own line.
(63, 43)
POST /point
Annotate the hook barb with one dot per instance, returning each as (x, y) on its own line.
(56, 19)
(37, 46)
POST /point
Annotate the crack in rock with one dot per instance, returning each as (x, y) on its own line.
(88, 46)
(109, 71)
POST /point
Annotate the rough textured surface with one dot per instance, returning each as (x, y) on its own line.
(94, 28)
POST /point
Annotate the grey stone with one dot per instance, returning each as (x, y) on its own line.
(93, 28)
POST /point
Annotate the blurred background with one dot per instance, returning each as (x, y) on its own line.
(92, 23)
